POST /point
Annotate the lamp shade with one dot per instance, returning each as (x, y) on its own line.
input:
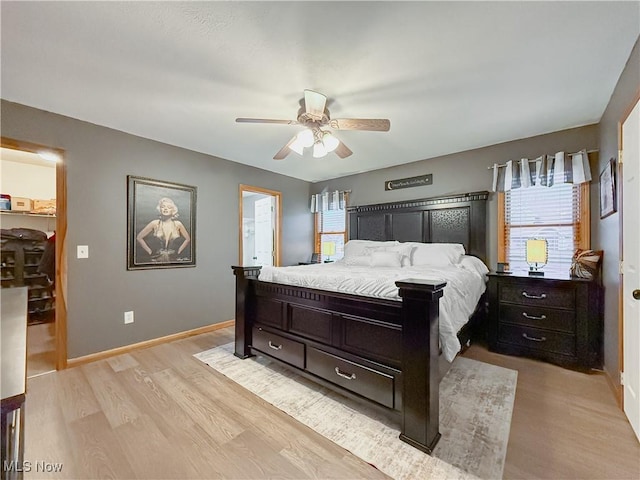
(330, 142)
(305, 137)
(297, 146)
(319, 150)
(537, 251)
(328, 248)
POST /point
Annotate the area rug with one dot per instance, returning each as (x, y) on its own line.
(476, 402)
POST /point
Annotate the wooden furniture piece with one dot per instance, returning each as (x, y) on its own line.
(20, 256)
(555, 319)
(376, 350)
(13, 382)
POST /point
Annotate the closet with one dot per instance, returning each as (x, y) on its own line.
(27, 240)
(23, 256)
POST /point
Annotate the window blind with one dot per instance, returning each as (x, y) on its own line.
(331, 227)
(551, 213)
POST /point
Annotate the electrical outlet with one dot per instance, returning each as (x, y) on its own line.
(128, 317)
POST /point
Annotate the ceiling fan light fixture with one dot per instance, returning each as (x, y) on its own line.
(313, 116)
(330, 142)
(319, 150)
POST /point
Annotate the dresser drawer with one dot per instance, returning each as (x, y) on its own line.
(538, 294)
(371, 384)
(279, 347)
(537, 339)
(538, 317)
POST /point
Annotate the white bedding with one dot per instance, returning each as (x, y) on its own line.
(465, 285)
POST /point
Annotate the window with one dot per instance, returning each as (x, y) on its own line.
(559, 214)
(331, 226)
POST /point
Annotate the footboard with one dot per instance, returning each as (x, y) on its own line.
(382, 351)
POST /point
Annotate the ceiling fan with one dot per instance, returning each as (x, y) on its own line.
(314, 115)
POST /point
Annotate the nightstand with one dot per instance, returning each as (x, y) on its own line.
(556, 319)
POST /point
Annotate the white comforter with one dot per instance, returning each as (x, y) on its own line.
(465, 285)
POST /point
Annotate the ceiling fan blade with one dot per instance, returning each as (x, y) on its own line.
(265, 120)
(314, 103)
(342, 150)
(372, 124)
(284, 151)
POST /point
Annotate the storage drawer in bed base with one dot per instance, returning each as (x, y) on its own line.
(371, 384)
(278, 347)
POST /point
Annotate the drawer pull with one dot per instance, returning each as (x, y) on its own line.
(537, 297)
(275, 347)
(348, 376)
(534, 339)
(531, 317)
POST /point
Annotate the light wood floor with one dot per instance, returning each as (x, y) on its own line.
(160, 413)
(41, 348)
(565, 424)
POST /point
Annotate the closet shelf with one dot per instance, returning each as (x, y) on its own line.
(25, 214)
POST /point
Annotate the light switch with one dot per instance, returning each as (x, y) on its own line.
(83, 251)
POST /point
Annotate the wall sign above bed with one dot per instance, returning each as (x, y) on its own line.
(409, 182)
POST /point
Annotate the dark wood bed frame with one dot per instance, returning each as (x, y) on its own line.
(380, 351)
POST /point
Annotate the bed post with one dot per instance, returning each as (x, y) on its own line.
(243, 326)
(420, 377)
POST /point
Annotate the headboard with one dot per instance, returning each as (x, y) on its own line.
(458, 218)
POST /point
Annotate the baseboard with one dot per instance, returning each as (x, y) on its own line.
(74, 362)
(616, 388)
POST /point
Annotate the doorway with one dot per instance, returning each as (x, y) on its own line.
(36, 172)
(259, 226)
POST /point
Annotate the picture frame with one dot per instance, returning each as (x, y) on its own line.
(503, 268)
(161, 224)
(608, 200)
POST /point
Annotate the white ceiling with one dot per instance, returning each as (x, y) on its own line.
(451, 76)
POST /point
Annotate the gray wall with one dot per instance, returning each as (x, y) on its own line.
(606, 232)
(165, 301)
(461, 172)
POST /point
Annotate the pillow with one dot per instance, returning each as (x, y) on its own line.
(354, 248)
(474, 264)
(436, 254)
(403, 249)
(357, 260)
(386, 259)
(585, 263)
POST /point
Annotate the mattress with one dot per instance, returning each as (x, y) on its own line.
(466, 282)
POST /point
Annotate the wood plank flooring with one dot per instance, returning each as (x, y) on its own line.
(565, 424)
(41, 348)
(160, 413)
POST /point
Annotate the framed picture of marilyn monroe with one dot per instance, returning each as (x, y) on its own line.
(161, 224)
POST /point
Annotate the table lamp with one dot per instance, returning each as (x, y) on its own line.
(328, 249)
(537, 255)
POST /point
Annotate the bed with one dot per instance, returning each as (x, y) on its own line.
(380, 349)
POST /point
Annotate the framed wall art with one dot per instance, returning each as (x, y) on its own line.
(161, 224)
(608, 200)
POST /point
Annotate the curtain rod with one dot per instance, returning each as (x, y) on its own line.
(329, 191)
(535, 159)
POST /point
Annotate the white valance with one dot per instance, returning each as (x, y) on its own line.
(546, 170)
(335, 200)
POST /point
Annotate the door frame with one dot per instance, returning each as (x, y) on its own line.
(619, 388)
(61, 240)
(278, 227)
